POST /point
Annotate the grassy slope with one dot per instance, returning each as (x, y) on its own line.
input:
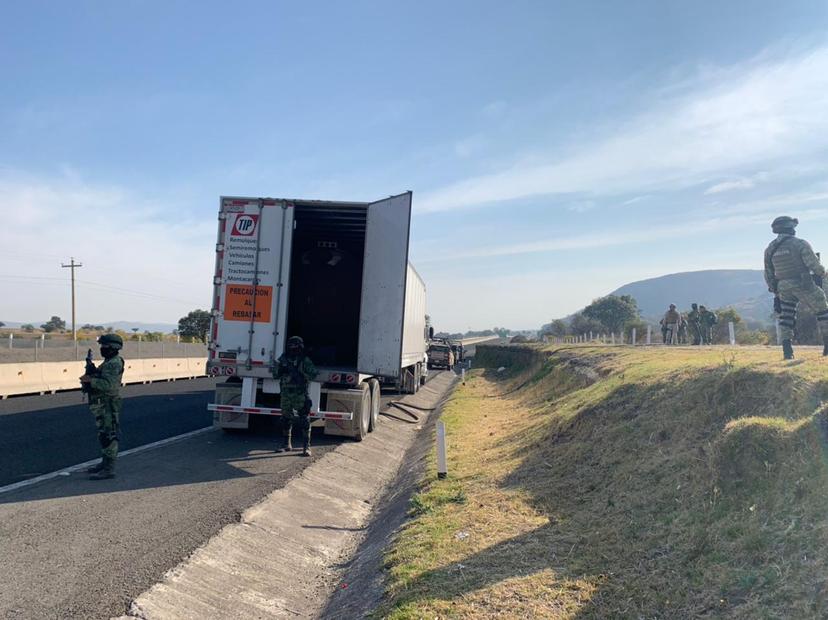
(621, 483)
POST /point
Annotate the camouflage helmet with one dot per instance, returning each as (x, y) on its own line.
(296, 341)
(784, 223)
(672, 306)
(113, 341)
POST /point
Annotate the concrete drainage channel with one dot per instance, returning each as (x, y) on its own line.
(312, 548)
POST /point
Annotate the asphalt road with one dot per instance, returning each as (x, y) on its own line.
(41, 434)
(75, 548)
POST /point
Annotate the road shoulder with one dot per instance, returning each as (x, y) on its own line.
(285, 556)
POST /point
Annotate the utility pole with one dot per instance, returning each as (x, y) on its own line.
(73, 265)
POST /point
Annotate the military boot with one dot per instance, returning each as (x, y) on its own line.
(95, 468)
(287, 446)
(787, 349)
(107, 470)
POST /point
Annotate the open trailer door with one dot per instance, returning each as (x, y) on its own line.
(384, 273)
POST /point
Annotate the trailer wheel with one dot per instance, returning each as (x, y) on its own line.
(363, 415)
(376, 395)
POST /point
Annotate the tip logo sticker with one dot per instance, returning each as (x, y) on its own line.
(245, 225)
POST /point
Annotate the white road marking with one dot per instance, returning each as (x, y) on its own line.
(80, 466)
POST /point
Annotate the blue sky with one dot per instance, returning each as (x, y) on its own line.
(556, 150)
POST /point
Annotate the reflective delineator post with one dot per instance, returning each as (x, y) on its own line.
(778, 333)
(649, 334)
(442, 468)
(612, 338)
(634, 337)
(463, 375)
(731, 332)
(11, 341)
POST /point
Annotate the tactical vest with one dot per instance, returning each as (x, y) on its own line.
(115, 363)
(787, 259)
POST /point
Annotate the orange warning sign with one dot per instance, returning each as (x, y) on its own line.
(238, 303)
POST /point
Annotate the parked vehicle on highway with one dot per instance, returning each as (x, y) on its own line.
(457, 349)
(440, 355)
(336, 274)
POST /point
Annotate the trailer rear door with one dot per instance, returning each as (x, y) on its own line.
(383, 286)
(252, 267)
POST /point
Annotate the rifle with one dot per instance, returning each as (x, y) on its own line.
(90, 371)
(292, 370)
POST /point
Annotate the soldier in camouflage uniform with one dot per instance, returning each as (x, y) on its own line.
(682, 330)
(294, 371)
(693, 323)
(670, 325)
(707, 320)
(104, 384)
(794, 274)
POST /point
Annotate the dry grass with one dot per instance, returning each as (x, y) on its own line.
(625, 483)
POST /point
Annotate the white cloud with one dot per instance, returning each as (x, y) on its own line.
(161, 259)
(757, 114)
(726, 186)
(581, 206)
(742, 216)
(634, 200)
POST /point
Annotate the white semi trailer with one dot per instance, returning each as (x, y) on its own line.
(336, 274)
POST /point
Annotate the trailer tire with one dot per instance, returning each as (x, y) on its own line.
(376, 395)
(363, 417)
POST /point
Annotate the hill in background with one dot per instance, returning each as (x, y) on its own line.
(742, 289)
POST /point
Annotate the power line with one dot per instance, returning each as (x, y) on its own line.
(97, 286)
(126, 291)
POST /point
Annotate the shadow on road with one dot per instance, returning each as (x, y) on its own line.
(204, 459)
(36, 442)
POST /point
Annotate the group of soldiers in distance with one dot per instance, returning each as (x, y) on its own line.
(677, 328)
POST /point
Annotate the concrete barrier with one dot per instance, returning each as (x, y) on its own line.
(58, 375)
(41, 377)
(21, 379)
(197, 366)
